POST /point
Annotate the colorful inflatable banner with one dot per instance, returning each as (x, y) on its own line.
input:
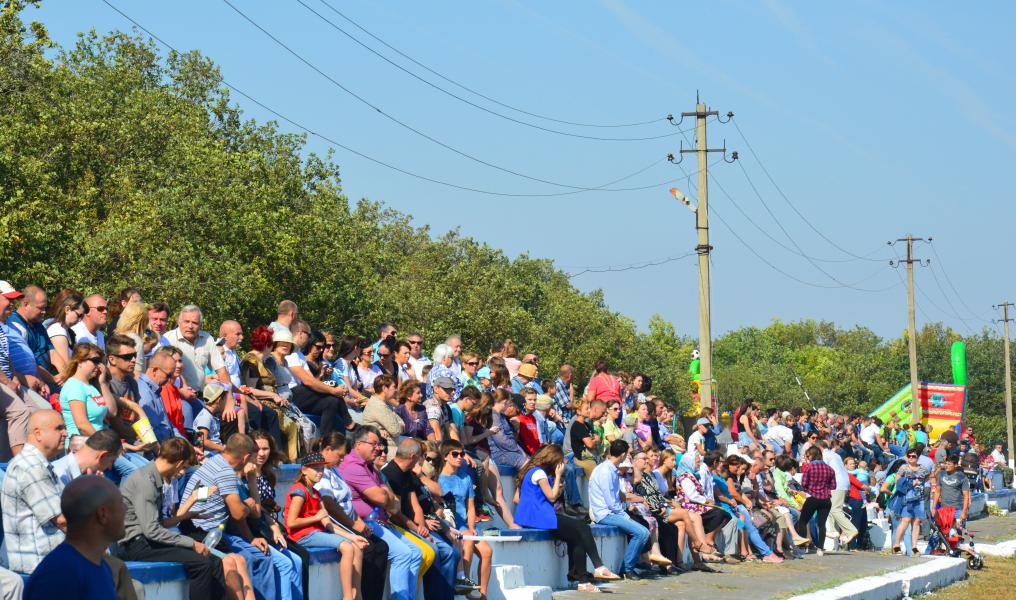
(942, 405)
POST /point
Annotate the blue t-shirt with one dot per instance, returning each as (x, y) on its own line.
(95, 405)
(68, 575)
(206, 420)
(459, 485)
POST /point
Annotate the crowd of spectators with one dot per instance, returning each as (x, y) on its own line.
(128, 440)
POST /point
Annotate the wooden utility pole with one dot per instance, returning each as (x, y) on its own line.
(1008, 381)
(915, 403)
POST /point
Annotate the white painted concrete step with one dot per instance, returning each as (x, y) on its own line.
(528, 592)
(509, 577)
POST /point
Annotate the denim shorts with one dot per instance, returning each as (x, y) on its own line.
(913, 510)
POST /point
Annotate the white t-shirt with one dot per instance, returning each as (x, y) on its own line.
(296, 359)
(780, 435)
(83, 335)
(998, 457)
(56, 330)
(695, 440)
(418, 364)
(538, 476)
(869, 433)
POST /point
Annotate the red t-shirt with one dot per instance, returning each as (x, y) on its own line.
(605, 386)
(529, 435)
(311, 505)
(173, 402)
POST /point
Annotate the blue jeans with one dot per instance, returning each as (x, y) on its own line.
(637, 534)
(289, 568)
(405, 559)
(753, 536)
(322, 539)
(125, 464)
(439, 580)
(572, 495)
(259, 565)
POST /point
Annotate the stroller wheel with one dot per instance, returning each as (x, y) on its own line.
(975, 563)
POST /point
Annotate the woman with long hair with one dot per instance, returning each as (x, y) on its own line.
(65, 310)
(84, 407)
(126, 296)
(133, 323)
(728, 490)
(538, 485)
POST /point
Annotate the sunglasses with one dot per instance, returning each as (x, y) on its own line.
(415, 342)
(94, 359)
(126, 356)
(329, 345)
(383, 354)
(430, 459)
(911, 456)
(319, 346)
(98, 308)
(456, 454)
(473, 363)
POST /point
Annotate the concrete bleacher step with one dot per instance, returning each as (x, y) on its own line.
(509, 577)
(527, 592)
(510, 584)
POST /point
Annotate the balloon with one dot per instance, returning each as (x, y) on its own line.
(959, 363)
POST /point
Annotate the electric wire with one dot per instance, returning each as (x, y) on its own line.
(631, 266)
(473, 91)
(389, 116)
(791, 204)
(955, 313)
(471, 103)
(972, 313)
(393, 167)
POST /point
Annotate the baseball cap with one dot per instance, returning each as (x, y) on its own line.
(312, 459)
(446, 383)
(7, 291)
(212, 391)
(483, 373)
(703, 421)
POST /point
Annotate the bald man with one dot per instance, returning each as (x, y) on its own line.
(31, 494)
(159, 372)
(89, 328)
(77, 569)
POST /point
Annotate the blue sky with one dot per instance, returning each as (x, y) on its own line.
(875, 120)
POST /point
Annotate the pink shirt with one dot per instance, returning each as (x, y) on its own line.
(605, 386)
(361, 476)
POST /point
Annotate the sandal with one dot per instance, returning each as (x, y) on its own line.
(710, 555)
(896, 549)
(605, 574)
(588, 587)
(659, 559)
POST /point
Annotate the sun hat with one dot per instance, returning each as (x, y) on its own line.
(527, 370)
(283, 336)
(213, 391)
(543, 402)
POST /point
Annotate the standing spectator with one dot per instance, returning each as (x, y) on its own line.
(287, 313)
(158, 318)
(838, 497)
(606, 506)
(417, 359)
(819, 481)
(94, 512)
(564, 392)
(198, 351)
(372, 500)
(67, 309)
(89, 328)
(909, 499)
(28, 321)
(126, 296)
(454, 342)
(952, 490)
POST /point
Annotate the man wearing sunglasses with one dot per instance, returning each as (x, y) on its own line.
(89, 328)
(417, 359)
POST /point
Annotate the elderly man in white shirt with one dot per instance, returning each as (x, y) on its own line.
(198, 350)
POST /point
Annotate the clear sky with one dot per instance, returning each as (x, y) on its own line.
(875, 119)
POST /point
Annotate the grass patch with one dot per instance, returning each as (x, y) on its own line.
(996, 581)
(829, 584)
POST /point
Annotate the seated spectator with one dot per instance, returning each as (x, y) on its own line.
(159, 373)
(269, 568)
(444, 357)
(504, 447)
(94, 513)
(439, 413)
(584, 443)
(259, 380)
(373, 499)
(148, 536)
(727, 482)
(32, 518)
(207, 423)
(93, 457)
(456, 481)
(606, 507)
(415, 504)
(529, 435)
(538, 486)
(380, 410)
(64, 313)
(410, 408)
(310, 394)
(308, 523)
(548, 424)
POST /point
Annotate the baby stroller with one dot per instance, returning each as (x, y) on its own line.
(952, 540)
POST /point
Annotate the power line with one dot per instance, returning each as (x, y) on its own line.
(473, 91)
(947, 300)
(631, 266)
(791, 204)
(466, 100)
(393, 167)
(959, 297)
(389, 116)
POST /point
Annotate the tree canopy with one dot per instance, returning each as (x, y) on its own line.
(122, 165)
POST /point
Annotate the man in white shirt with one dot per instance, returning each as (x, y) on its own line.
(197, 351)
(89, 328)
(285, 316)
(417, 359)
(606, 505)
(310, 394)
(871, 437)
(998, 456)
(455, 341)
(697, 439)
(780, 437)
(838, 520)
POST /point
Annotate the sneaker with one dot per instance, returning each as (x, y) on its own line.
(465, 584)
(632, 576)
(846, 538)
(772, 558)
(819, 552)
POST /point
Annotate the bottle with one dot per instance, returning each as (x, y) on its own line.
(374, 514)
(214, 537)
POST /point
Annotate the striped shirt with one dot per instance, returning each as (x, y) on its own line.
(31, 504)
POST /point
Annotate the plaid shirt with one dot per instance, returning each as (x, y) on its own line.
(819, 480)
(562, 397)
(31, 504)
